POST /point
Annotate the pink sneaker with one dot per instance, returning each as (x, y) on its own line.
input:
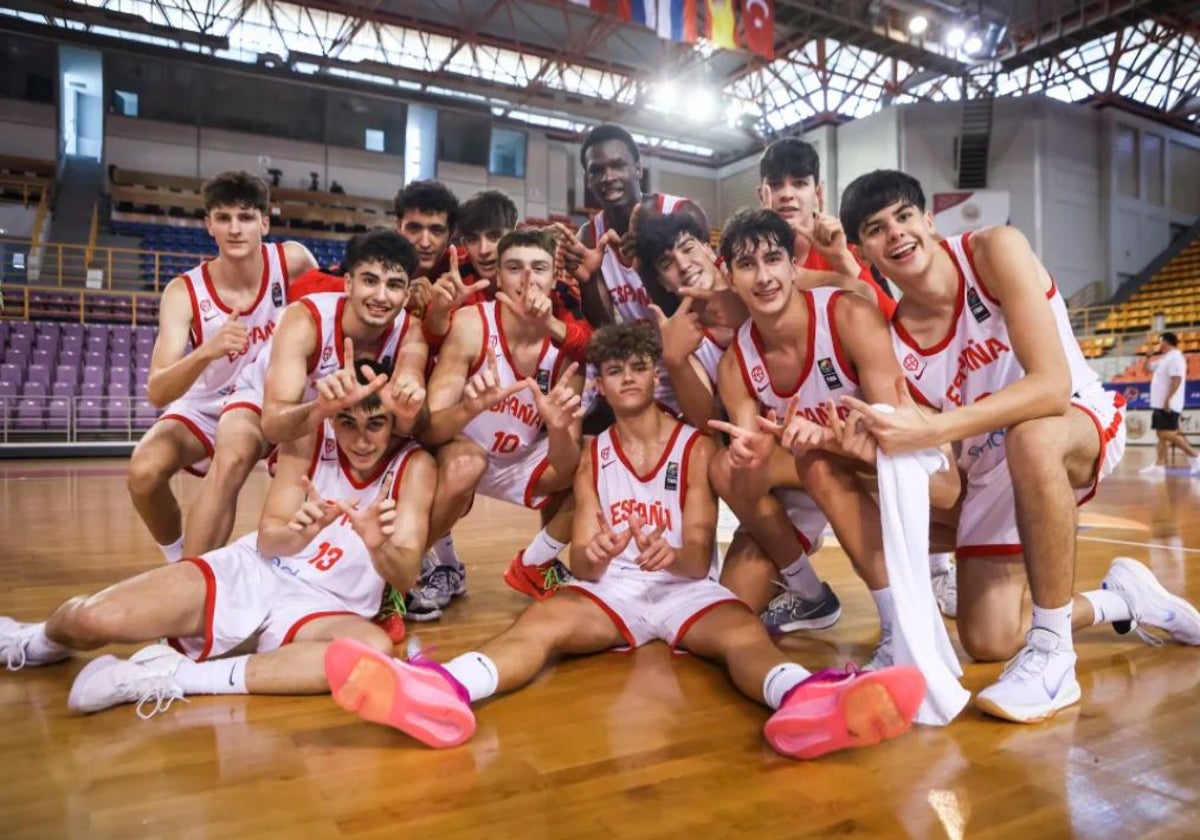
(418, 697)
(833, 710)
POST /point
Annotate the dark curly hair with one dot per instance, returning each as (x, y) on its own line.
(428, 197)
(748, 229)
(384, 246)
(236, 189)
(624, 341)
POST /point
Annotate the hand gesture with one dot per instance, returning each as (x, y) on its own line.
(628, 242)
(654, 552)
(315, 514)
(606, 544)
(484, 392)
(717, 308)
(796, 433)
(533, 305)
(681, 333)
(749, 449)
(232, 338)
(341, 390)
(580, 261)
(563, 405)
(449, 293)
(404, 399)
(374, 523)
(854, 440)
(420, 292)
(906, 429)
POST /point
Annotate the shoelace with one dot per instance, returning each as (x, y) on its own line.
(15, 657)
(1146, 636)
(1023, 666)
(443, 579)
(551, 579)
(162, 691)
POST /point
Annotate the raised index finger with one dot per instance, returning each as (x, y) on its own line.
(736, 432)
(348, 355)
(454, 261)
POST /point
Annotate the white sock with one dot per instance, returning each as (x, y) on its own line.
(542, 549)
(1057, 621)
(477, 674)
(1108, 606)
(41, 647)
(780, 680)
(800, 577)
(174, 551)
(886, 604)
(940, 563)
(444, 551)
(217, 676)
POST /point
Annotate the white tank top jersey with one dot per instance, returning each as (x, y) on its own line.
(327, 309)
(336, 560)
(515, 423)
(630, 300)
(657, 497)
(826, 375)
(209, 314)
(709, 355)
(976, 357)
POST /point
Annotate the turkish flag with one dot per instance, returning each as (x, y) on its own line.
(758, 27)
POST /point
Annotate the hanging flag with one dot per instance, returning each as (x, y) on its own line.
(720, 25)
(677, 20)
(644, 12)
(758, 27)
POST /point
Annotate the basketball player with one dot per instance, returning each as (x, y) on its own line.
(225, 310)
(641, 551)
(426, 212)
(980, 317)
(504, 407)
(346, 512)
(310, 377)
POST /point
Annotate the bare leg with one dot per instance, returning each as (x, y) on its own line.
(1180, 440)
(299, 667)
(163, 451)
(557, 515)
(747, 492)
(749, 573)
(854, 515)
(240, 445)
(733, 637)
(460, 464)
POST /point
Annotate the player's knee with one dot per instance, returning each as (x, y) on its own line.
(461, 470)
(233, 461)
(374, 636)
(990, 643)
(720, 473)
(147, 472)
(92, 619)
(1034, 445)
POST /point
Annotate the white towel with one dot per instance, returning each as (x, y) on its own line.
(919, 636)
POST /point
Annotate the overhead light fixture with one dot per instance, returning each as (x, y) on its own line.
(955, 37)
(973, 45)
(664, 96)
(701, 106)
(918, 24)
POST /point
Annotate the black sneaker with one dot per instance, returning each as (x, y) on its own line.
(789, 611)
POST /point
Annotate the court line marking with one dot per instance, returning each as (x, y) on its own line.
(1143, 544)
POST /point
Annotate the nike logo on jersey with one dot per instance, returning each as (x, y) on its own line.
(210, 315)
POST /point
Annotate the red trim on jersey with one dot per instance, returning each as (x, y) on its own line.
(193, 428)
(483, 345)
(662, 459)
(988, 550)
(918, 396)
(979, 278)
(262, 285)
(407, 452)
(530, 488)
(683, 470)
(803, 540)
(610, 612)
(197, 334)
(316, 453)
(283, 269)
(404, 322)
(699, 614)
(249, 406)
(831, 316)
(810, 338)
(371, 478)
(290, 636)
(210, 605)
(1105, 435)
(504, 345)
(595, 448)
(717, 341)
(741, 358)
(314, 358)
(907, 338)
(339, 337)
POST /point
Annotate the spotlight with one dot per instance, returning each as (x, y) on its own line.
(918, 24)
(955, 38)
(973, 45)
(664, 96)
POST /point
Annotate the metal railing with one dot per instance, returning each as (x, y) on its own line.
(19, 303)
(116, 269)
(46, 419)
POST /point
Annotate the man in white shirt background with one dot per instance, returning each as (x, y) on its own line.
(1166, 404)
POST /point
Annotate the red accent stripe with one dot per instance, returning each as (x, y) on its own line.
(934, 349)
(197, 332)
(193, 428)
(596, 465)
(1105, 435)
(283, 266)
(316, 453)
(249, 406)
(534, 477)
(699, 614)
(314, 357)
(262, 285)
(661, 460)
(210, 605)
(610, 612)
(406, 456)
(986, 550)
(831, 317)
(683, 471)
(290, 636)
(483, 345)
(339, 337)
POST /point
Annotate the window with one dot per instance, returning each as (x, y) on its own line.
(507, 153)
(125, 103)
(374, 140)
(1126, 159)
(1152, 167)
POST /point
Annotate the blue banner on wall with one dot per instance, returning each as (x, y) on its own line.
(1137, 394)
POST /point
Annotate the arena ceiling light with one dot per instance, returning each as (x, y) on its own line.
(955, 37)
(973, 45)
(918, 24)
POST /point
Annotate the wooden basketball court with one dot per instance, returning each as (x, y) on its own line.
(613, 745)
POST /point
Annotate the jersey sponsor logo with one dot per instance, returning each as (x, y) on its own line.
(758, 375)
(493, 341)
(329, 453)
(326, 354)
(258, 336)
(980, 312)
(671, 482)
(206, 310)
(829, 373)
(628, 293)
(994, 440)
(543, 380)
(521, 411)
(655, 514)
(914, 366)
(606, 454)
(974, 357)
(276, 294)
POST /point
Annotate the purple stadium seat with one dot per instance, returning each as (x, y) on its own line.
(119, 412)
(69, 357)
(31, 413)
(58, 413)
(96, 358)
(9, 388)
(73, 331)
(47, 328)
(11, 372)
(97, 343)
(118, 388)
(123, 332)
(70, 344)
(42, 357)
(144, 414)
(38, 373)
(92, 389)
(20, 341)
(3, 333)
(46, 342)
(66, 373)
(120, 357)
(35, 389)
(64, 389)
(88, 413)
(24, 328)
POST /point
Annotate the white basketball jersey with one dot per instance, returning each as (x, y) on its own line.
(826, 375)
(976, 356)
(630, 300)
(515, 423)
(708, 354)
(209, 314)
(336, 560)
(657, 497)
(327, 309)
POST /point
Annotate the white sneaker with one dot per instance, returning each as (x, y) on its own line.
(1151, 604)
(1153, 471)
(1194, 465)
(882, 657)
(945, 591)
(14, 645)
(1036, 683)
(143, 678)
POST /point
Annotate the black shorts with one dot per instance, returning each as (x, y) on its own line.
(1162, 420)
